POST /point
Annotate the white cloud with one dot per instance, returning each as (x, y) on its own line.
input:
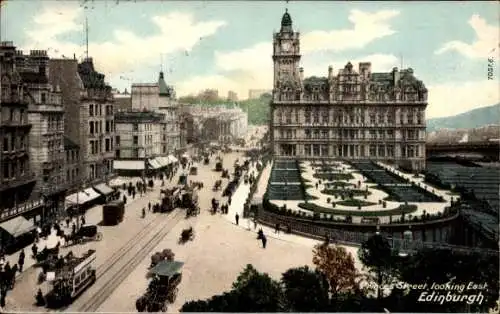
(367, 27)
(455, 98)
(254, 66)
(126, 51)
(487, 39)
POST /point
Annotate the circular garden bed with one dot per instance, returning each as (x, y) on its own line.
(402, 209)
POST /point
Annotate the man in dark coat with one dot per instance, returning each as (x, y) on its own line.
(20, 262)
(237, 217)
(264, 241)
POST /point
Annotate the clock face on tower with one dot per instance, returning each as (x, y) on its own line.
(285, 46)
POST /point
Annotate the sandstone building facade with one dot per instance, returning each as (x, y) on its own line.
(356, 114)
(17, 179)
(161, 98)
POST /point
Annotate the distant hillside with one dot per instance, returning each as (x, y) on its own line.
(257, 109)
(467, 120)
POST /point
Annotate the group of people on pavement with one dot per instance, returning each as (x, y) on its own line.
(8, 275)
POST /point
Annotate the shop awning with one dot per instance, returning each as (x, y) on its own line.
(163, 161)
(17, 226)
(128, 164)
(76, 198)
(91, 194)
(103, 189)
(117, 182)
(172, 159)
(154, 164)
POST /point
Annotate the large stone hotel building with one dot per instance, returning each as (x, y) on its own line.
(356, 114)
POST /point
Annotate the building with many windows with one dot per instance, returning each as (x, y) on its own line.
(354, 114)
(46, 115)
(97, 102)
(17, 179)
(139, 135)
(160, 97)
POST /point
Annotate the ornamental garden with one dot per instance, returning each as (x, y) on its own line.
(353, 192)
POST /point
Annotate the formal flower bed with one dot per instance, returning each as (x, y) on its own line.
(333, 176)
(350, 193)
(354, 202)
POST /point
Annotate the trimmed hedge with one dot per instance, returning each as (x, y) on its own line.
(355, 202)
(406, 209)
(333, 176)
(353, 192)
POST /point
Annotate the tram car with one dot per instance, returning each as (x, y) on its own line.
(70, 280)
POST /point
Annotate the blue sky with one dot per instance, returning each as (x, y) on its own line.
(227, 45)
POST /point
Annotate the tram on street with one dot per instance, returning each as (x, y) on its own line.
(71, 279)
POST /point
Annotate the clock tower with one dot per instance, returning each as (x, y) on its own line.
(286, 54)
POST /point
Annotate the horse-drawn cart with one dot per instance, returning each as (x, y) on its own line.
(85, 233)
(217, 185)
(162, 289)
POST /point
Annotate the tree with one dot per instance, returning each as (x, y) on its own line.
(455, 267)
(252, 292)
(376, 254)
(338, 266)
(305, 290)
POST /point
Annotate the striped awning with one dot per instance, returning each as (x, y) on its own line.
(154, 164)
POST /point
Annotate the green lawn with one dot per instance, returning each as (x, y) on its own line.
(407, 209)
(332, 176)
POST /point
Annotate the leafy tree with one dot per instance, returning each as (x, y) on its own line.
(443, 266)
(252, 292)
(305, 290)
(338, 266)
(376, 254)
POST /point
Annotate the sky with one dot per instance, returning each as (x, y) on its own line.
(227, 45)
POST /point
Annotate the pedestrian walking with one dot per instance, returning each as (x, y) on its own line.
(277, 228)
(67, 222)
(237, 217)
(264, 241)
(254, 223)
(229, 201)
(34, 250)
(83, 220)
(149, 206)
(20, 262)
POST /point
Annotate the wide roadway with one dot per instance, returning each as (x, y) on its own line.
(213, 260)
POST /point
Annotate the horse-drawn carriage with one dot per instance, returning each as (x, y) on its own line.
(162, 289)
(46, 254)
(218, 166)
(217, 185)
(83, 234)
(186, 235)
(182, 179)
